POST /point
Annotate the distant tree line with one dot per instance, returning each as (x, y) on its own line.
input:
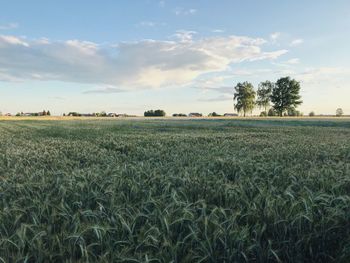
(277, 99)
(154, 113)
(97, 114)
(40, 113)
(179, 115)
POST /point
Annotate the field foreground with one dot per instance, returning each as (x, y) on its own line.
(175, 191)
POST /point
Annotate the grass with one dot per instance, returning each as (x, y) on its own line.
(175, 190)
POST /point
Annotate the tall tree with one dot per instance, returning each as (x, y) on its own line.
(264, 94)
(285, 95)
(339, 112)
(244, 97)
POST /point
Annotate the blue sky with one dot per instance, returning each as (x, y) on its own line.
(180, 56)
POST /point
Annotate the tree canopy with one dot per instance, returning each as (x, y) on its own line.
(244, 97)
(264, 94)
(154, 113)
(339, 112)
(285, 95)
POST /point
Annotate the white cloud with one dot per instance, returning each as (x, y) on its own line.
(147, 24)
(181, 11)
(293, 61)
(274, 36)
(207, 83)
(150, 24)
(9, 26)
(85, 47)
(107, 89)
(296, 42)
(127, 65)
(224, 97)
(218, 31)
(12, 40)
(322, 75)
(184, 35)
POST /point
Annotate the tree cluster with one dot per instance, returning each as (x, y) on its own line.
(283, 95)
(214, 114)
(154, 113)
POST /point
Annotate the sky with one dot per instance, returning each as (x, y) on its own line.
(180, 56)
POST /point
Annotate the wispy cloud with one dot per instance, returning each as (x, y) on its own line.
(220, 89)
(181, 11)
(293, 61)
(218, 30)
(184, 35)
(127, 65)
(161, 3)
(104, 90)
(275, 36)
(12, 40)
(150, 24)
(216, 99)
(322, 75)
(147, 24)
(9, 26)
(57, 98)
(296, 42)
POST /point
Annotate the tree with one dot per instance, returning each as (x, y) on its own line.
(75, 114)
(339, 112)
(285, 95)
(264, 94)
(179, 115)
(159, 113)
(293, 112)
(263, 114)
(312, 114)
(214, 114)
(102, 114)
(272, 112)
(149, 113)
(245, 97)
(48, 113)
(156, 113)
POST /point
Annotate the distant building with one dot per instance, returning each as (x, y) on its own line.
(230, 114)
(195, 114)
(8, 114)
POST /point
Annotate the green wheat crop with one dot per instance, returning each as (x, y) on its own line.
(175, 191)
